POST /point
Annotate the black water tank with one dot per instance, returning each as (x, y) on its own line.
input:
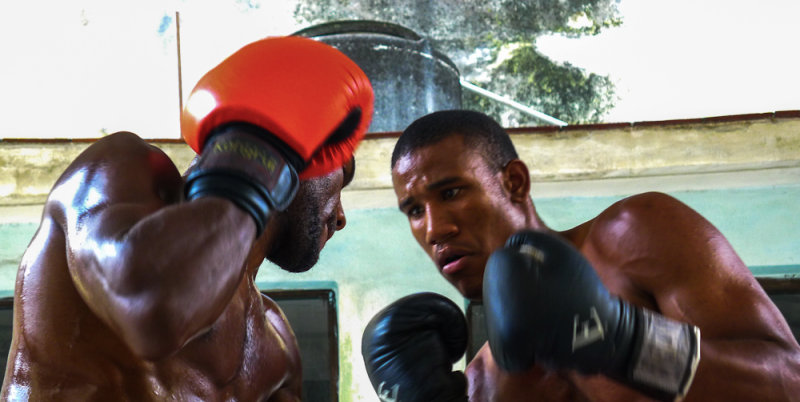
(409, 77)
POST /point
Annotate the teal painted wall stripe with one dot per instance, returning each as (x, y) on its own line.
(761, 223)
(776, 271)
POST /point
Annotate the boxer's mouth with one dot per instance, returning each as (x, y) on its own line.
(448, 261)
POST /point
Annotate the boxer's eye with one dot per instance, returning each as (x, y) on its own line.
(450, 193)
(349, 172)
(414, 212)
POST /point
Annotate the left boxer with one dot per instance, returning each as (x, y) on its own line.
(139, 285)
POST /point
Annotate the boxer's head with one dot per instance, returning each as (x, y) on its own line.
(311, 219)
(459, 182)
(478, 131)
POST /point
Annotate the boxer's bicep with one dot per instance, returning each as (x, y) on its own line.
(691, 273)
(111, 188)
(712, 288)
(744, 338)
(687, 266)
(114, 184)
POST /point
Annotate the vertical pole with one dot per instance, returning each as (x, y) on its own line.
(180, 75)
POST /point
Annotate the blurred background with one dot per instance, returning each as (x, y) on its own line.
(84, 68)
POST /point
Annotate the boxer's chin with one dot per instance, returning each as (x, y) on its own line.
(302, 240)
(305, 230)
(298, 255)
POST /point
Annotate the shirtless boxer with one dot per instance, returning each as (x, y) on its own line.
(139, 284)
(619, 308)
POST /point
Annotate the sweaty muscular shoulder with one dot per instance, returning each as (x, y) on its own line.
(656, 252)
(56, 334)
(126, 293)
(636, 244)
(119, 168)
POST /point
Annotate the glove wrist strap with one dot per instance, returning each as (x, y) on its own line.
(247, 170)
(666, 357)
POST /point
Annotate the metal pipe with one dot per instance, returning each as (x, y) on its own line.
(180, 72)
(509, 102)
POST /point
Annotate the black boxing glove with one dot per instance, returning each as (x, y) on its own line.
(244, 164)
(409, 349)
(545, 304)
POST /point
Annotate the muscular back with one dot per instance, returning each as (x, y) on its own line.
(127, 293)
(655, 252)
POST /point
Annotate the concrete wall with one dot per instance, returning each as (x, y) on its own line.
(742, 173)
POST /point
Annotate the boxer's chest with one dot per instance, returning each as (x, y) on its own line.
(241, 358)
(487, 383)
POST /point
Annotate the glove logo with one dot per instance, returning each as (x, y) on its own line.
(388, 395)
(248, 151)
(533, 252)
(590, 331)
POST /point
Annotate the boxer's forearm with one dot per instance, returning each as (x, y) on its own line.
(167, 277)
(746, 370)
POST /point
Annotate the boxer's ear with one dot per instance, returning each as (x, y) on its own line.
(517, 180)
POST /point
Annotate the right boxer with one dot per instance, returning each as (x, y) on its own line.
(139, 285)
(647, 300)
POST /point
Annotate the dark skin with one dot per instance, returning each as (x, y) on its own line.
(649, 249)
(127, 292)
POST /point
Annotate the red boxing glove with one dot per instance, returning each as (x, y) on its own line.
(308, 95)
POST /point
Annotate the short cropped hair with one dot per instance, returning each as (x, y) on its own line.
(479, 131)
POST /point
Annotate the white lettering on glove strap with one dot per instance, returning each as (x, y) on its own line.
(533, 252)
(590, 331)
(668, 355)
(388, 395)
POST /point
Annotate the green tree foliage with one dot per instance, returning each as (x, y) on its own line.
(493, 42)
